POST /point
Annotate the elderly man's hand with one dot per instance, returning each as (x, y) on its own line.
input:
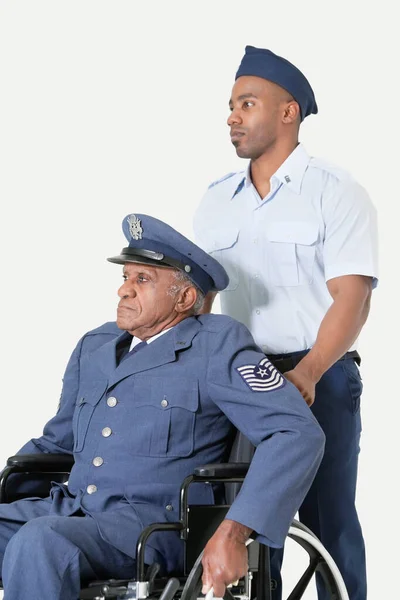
(225, 557)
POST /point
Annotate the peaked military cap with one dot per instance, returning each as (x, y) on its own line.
(259, 62)
(153, 242)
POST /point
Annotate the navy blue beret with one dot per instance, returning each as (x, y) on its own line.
(259, 62)
(153, 242)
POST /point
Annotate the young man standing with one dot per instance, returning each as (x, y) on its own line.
(298, 240)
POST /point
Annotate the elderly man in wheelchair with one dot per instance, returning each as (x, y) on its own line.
(134, 456)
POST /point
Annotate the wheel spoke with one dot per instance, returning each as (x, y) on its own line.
(304, 581)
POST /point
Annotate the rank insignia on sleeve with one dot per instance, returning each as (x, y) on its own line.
(263, 377)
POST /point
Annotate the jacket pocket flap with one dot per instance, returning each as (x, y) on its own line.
(166, 394)
(91, 392)
(221, 239)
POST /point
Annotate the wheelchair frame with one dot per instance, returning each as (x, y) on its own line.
(209, 517)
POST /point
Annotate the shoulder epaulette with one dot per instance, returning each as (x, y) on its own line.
(220, 180)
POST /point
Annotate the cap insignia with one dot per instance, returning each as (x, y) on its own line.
(135, 227)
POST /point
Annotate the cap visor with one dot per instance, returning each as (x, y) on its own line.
(141, 260)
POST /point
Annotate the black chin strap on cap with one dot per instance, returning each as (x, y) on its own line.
(155, 258)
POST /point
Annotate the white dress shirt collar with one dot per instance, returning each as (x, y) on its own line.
(135, 341)
(291, 171)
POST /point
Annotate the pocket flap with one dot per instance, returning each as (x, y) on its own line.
(91, 392)
(165, 394)
(221, 239)
(294, 232)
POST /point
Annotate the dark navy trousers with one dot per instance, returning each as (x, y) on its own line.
(329, 508)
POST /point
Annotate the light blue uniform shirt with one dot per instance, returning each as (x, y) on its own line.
(315, 224)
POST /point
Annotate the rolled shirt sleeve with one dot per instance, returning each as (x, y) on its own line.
(351, 238)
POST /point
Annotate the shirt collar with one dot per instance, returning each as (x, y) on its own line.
(135, 341)
(292, 170)
(247, 179)
(290, 173)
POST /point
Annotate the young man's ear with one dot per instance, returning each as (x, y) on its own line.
(292, 112)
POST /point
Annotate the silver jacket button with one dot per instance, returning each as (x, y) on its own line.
(91, 489)
(106, 432)
(111, 401)
(98, 461)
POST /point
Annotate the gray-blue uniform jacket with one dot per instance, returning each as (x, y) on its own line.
(137, 429)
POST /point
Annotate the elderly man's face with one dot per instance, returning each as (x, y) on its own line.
(147, 305)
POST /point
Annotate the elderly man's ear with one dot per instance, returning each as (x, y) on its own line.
(186, 299)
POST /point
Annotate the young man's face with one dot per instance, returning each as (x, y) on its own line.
(146, 304)
(257, 108)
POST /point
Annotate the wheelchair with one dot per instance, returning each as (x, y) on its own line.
(196, 525)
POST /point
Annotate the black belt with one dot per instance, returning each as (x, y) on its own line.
(287, 362)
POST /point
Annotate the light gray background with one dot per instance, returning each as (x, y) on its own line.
(114, 107)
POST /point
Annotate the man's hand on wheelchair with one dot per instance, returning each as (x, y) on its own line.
(225, 557)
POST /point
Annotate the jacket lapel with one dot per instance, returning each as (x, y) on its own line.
(104, 358)
(160, 352)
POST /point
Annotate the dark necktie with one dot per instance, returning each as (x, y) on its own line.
(125, 354)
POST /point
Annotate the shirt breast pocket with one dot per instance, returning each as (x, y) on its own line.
(291, 251)
(222, 245)
(88, 398)
(163, 416)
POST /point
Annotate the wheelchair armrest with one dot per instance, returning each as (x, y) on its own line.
(41, 463)
(14, 483)
(222, 470)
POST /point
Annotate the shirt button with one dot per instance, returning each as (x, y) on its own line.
(164, 403)
(169, 507)
(111, 401)
(91, 489)
(106, 432)
(255, 276)
(258, 311)
(255, 240)
(98, 461)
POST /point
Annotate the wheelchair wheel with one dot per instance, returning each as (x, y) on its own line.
(319, 561)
